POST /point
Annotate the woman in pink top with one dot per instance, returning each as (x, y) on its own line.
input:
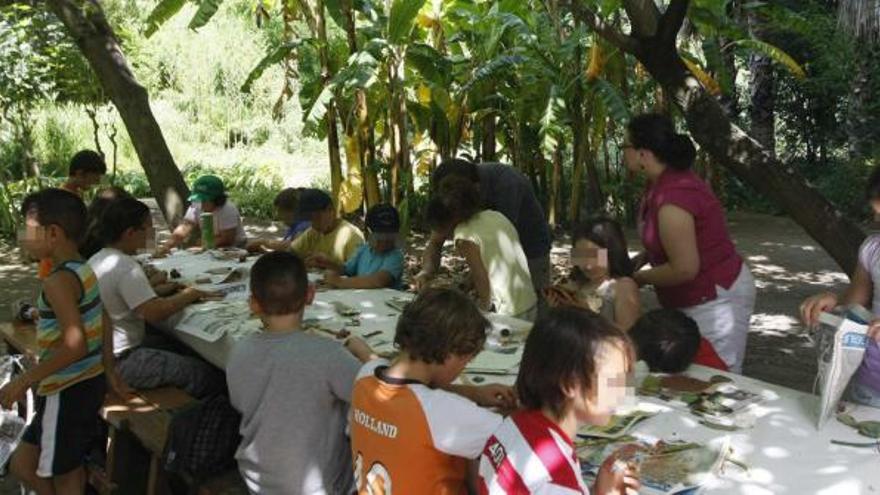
(694, 264)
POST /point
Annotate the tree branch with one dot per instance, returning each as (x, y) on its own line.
(586, 15)
(644, 17)
(672, 20)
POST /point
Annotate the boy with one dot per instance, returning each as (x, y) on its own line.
(70, 338)
(209, 196)
(144, 360)
(408, 434)
(330, 241)
(375, 265)
(286, 210)
(292, 389)
(84, 172)
(669, 341)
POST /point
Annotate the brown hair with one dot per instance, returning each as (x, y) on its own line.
(561, 351)
(287, 199)
(279, 282)
(440, 323)
(457, 199)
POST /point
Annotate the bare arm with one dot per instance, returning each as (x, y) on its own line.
(179, 235)
(225, 238)
(627, 305)
(679, 238)
(860, 291)
(378, 280)
(160, 308)
(479, 275)
(431, 255)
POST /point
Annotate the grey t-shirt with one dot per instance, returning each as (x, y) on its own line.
(293, 391)
(507, 191)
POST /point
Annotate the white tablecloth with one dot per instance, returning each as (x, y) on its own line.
(784, 450)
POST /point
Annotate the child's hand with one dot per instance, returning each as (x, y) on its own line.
(874, 330)
(496, 395)
(332, 278)
(318, 261)
(256, 246)
(617, 476)
(359, 349)
(421, 281)
(813, 306)
(13, 392)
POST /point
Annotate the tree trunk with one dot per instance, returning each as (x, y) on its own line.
(87, 25)
(554, 202)
(326, 76)
(762, 89)
(488, 141)
(861, 122)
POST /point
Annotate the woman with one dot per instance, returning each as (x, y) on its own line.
(694, 263)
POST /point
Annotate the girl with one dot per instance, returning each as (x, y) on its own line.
(864, 289)
(489, 244)
(573, 373)
(601, 276)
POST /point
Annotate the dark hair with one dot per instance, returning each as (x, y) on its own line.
(655, 132)
(120, 215)
(457, 200)
(440, 323)
(57, 207)
(93, 241)
(383, 218)
(279, 282)
(608, 234)
(873, 190)
(87, 161)
(454, 167)
(561, 352)
(287, 199)
(666, 339)
(219, 200)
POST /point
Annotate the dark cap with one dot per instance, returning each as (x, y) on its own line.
(383, 218)
(313, 201)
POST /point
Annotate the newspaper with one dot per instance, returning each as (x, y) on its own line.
(11, 425)
(618, 426)
(842, 343)
(211, 321)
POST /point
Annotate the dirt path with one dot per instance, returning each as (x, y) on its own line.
(787, 265)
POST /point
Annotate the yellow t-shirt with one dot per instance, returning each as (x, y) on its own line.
(339, 244)
(504, 259)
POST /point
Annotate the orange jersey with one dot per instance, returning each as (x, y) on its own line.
(407, 438)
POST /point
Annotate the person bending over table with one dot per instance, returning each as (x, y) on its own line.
(695, 265)
(864, 289)
(144, 358)
(286, 210)
(331, 240)
(209, 196)
(504, 189)
(377, 264)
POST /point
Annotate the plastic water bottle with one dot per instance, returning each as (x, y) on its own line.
(207, 228)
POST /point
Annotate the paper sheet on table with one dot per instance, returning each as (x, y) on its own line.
(211, 321)
(494, 361)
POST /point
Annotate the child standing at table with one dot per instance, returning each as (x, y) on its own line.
(287, 211)
(669, 341)
(573, 373)
(209, 196)
(407, 432)
(330, 240)
(70, 337)
(292, 389)
(378, 263)
(601, 274)
(489, 244)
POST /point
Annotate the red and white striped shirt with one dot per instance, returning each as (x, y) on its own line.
(529, 454)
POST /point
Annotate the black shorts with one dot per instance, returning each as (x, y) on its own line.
(64, 426)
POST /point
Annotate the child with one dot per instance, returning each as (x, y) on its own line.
(377, 264)
(864, 289)
(286, 209)
(209, 196)
(330, 240)
(292, 389)
(85, 171)
(668, 341)
(71, 384)
(573, 373)
(601, 274)
(92, 242)
(408, 434)
(144, 358)
(489, 244)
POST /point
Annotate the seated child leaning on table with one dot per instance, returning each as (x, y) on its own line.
(410, 427)
(331, 240)
(145, 358)
(377, 264)
(287, 212)
(573, 373)
(292, 388)
(669, 341)
(209, 196)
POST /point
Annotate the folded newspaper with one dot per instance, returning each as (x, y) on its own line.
(664, 467)
(618, 426)
(841, 340)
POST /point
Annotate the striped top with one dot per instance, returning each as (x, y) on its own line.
(49, 333)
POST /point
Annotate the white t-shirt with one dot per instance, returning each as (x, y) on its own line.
(226, 217)
(124, 286)
(512, 291)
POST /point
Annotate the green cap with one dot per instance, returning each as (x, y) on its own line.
(206, 188)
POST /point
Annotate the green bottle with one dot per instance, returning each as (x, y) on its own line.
(207, 228)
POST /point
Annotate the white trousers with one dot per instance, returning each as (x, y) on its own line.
(724, 321)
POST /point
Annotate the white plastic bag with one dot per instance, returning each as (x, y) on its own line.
(12, 426)
(842, 346)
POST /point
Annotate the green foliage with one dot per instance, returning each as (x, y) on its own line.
(252, 189)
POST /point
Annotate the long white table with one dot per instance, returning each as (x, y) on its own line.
(784, 450)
